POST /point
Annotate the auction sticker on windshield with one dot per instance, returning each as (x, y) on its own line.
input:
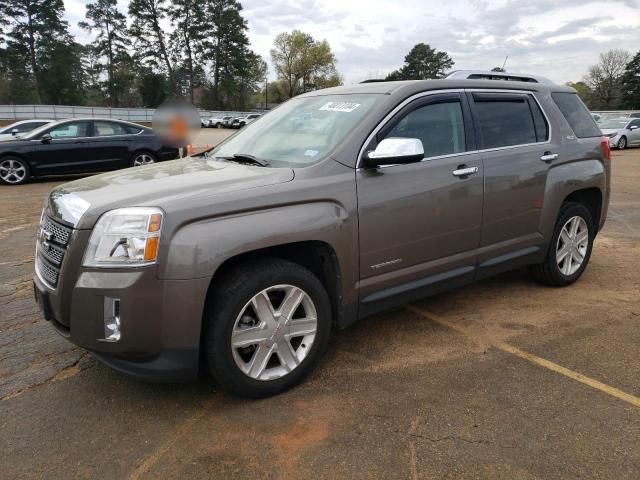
(345, 107)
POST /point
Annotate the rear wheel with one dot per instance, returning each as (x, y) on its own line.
(142, 158)
(267, 325)
(570, 247)
(622, 143)
(13, 170)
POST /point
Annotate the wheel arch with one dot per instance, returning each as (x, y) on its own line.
(592, 199)
(317, 256)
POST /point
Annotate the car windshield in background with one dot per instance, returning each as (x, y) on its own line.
(611, 124)
(300, 132)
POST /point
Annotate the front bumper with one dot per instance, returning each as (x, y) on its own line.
(613, 141)
(160, 320)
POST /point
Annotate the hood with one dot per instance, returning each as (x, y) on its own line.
(157, 185)
(609, 131)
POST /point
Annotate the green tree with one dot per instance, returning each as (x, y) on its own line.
(191, 28)
(584, 92)
(65, 74)
(605, 78)
(225, 45)
(31, 30)
(150, 39)
(302, 62)
(110, 44)
(630, 83)
(422, 62)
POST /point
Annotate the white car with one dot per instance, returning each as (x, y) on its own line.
(219, 122)
(622, 132)
(17, 129)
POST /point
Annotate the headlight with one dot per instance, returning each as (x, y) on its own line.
(125, 237)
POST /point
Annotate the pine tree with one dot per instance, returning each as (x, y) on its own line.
(422, 62)
(631, 83)
(189, 20)
(32, 30)
(151, 43)
(111, 43)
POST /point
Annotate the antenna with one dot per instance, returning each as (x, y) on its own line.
(505, 62)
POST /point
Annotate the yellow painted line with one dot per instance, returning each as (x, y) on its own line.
(505, 347)
(182, 429)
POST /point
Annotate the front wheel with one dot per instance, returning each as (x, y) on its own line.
(570, 247)
(13, 170)
(267, 325)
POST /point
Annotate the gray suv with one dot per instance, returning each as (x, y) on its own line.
(338, 204)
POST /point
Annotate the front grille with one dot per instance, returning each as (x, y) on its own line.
(53, 241)
(60, 233)
(48, 273)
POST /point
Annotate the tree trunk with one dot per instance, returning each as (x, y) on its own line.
(32, 58)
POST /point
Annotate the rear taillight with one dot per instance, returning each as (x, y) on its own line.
(606, 149)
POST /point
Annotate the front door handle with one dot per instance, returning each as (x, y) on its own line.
(463, 171)
(549, 157)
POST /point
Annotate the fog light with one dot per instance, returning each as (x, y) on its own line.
(111, 320)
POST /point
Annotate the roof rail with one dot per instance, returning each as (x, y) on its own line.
(489, 75)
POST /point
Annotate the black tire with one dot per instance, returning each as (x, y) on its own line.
(622, 143)
(548, 272)
(14, 171)
(136, 155)
(226, 303)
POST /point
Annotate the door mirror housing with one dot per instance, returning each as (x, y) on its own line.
(46, 138)
(633, 127)
(15, 132)
(394, 151)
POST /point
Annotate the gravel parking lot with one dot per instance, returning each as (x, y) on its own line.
(504, 379)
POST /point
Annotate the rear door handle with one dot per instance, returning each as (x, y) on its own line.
(463, 171)
(549, 157)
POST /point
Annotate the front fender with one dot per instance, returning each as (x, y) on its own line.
(198, 249)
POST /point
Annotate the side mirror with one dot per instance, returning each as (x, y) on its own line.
(633, 127)
(46, 138)
(393, 151)
(15, 132)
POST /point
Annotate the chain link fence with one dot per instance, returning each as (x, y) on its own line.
(59, 112)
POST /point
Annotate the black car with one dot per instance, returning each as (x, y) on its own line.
(80, 145)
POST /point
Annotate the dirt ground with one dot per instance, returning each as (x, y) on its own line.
(504, 379)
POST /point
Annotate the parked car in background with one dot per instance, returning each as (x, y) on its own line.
(219, 122)
(240, 122)
(80, 145)
(621, 132)
(21, 128)
(241, 261)
(634, 115)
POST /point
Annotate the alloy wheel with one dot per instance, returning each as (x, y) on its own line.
(12, 171)
(274, 332)
(143, 159)
(572, 245)
(622, 143)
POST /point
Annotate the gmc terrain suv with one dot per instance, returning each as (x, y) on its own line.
(243, 259)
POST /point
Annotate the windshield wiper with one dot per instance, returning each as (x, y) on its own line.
(246, 158)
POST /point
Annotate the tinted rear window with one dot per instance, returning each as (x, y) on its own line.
(577, 115)
(504, 120)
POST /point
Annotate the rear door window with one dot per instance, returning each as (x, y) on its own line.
(505, 120)
(579, 118)
(107, 129)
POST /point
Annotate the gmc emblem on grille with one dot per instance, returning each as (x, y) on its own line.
(44, 237)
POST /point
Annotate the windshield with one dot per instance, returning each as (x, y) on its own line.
(615, 123)
(300, 132)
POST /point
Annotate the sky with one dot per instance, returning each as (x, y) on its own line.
(370, 38)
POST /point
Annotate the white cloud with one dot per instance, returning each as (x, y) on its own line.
(556, 39)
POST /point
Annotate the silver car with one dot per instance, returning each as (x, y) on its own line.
(622, 132)
(17, 129)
